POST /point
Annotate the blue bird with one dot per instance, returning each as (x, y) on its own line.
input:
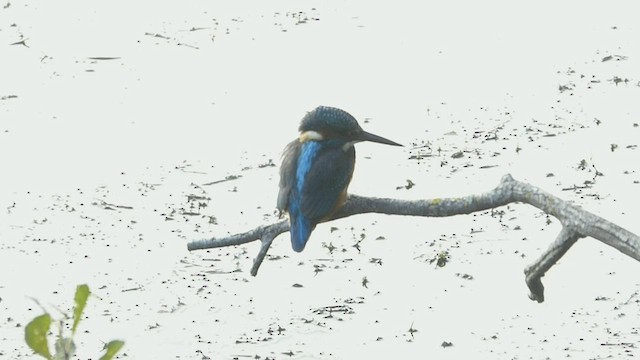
(317, 168)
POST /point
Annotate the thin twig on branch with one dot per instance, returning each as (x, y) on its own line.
(576, 223)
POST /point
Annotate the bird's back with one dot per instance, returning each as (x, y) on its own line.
(314, 179)
(287, 174)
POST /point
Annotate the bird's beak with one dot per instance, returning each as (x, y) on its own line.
(365, 136)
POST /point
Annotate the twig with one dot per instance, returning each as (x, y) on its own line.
(577, 223)
(536, 271)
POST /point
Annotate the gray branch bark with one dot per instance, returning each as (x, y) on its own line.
(576, 223)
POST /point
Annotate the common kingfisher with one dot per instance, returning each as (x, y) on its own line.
(317, 168)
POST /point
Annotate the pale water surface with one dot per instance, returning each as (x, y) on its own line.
(116, 114)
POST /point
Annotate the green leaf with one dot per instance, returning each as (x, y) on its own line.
(112, 349)
(82, 294)
(35, 334)
(65, 348)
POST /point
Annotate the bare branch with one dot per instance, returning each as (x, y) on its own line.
(577, 223)
(536, 271)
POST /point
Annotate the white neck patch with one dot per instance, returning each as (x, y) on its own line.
(310, 136)
(348, 145)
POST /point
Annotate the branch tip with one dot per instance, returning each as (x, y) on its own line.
(507, 179)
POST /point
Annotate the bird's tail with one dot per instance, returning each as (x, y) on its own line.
(300, 230)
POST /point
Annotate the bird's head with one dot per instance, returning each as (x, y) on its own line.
(324, 122)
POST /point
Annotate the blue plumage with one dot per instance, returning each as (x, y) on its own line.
(317, 168)
(308, 154)
(301, 226)
(330, 118)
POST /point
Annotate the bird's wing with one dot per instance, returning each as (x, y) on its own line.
(287, 173)
(325, 182)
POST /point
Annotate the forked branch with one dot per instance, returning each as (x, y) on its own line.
(576, 223)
